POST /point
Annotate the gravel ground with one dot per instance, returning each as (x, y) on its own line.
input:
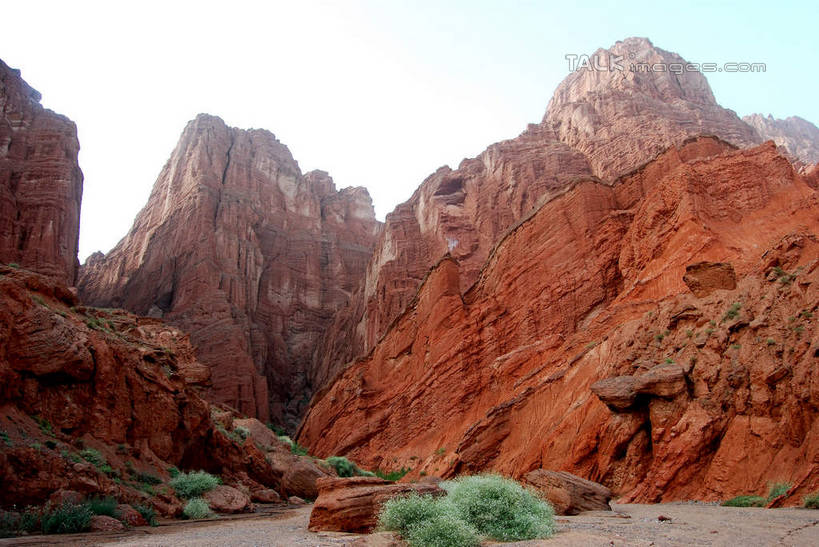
(638, 525)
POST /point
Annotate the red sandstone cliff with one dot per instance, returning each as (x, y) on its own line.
(602, 123)
(75, 378)
(581, 347)
(40, 182)
(251, 257)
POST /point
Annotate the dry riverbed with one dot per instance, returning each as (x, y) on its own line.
(639, 525)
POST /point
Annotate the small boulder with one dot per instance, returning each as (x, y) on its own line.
(295, 500)
(103, 523)
(226, 499)
(66, 496)
(569, 494)
(266, 495)
(130, 516)
(352, 504)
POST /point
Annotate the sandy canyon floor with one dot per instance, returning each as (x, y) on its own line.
(632, 524)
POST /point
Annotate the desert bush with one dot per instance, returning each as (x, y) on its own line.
(194, 484)
(295, 447)
(732, 312)
(67, 518)
(242, 432)
(445, 530)
(346, 468)
(392, 475)
(147, 513)
(197, 508)
(404, 512)
(745, 501)
(94, 457)
(811, 501)
(500, 508)
(147, 478)
(103, 506)
(777, 489)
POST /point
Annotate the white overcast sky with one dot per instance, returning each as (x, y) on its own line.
(379, 94)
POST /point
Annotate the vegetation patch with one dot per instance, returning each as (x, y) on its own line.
(346, 468)
(475, 508)
(295, 447)
(777, 489)
(811, 501)
(197, 508)
(147, 513)
(103, 506)
(194, 484)
(745, 501)
(392, 475)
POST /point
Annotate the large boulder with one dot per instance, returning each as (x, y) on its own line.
(352, 504)
(226, 499)
(569, 494)
(103, 523)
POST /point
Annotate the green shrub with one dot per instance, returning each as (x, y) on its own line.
(147, 478)
(401, 513)
(73, 457)
(446, 530)
(68, 518)
(811, 501)
(295, 447)
(174, 471)
(732, 312)
(5, 438)
(147, 513)
(93, 457)
(392, 475)
(197, 508)
(343, 466)
(745, 501)
(242, 432)
(501, 508)
(346, 468)
(194, 484)
(103, 506)
(777, 489)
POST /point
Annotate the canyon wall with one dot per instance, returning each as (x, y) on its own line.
(582, 348)
(251, 257)
(797, 136)
(601, 123)
(40, 182)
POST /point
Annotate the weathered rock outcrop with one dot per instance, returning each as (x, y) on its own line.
(40, 182)
(569, 494)
(101, 402)
(598, 123)
(797, 136)
(352, 504)
(590, 287)
(622, 118)
(251, 257)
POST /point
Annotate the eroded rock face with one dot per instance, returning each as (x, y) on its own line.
(620, 119)
(352, 504)
(598, 123)
(703, 278)
(589, 288)
(251, 257)
(40, 182)
(74, 378)
(797, 136)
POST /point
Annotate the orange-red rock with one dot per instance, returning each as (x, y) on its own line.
(602, 124)
(352, 504)
(40, 182)
(75, 378)
(245, 253)
(569, 494)
(590, 288)
(226, 499)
